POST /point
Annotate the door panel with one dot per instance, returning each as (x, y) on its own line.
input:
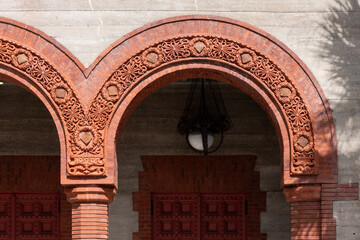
(6, 215)
(223, 216)
(199, 216)
(29, 216)
(176, 216)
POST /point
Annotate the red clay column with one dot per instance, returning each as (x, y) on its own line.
(305, 212)
(90, 211)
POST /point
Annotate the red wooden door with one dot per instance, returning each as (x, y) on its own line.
(29, 216)
(223, 217)
(199, 216)
(176, 216)
(6, 216)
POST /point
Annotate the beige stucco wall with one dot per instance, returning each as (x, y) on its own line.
(325, 34)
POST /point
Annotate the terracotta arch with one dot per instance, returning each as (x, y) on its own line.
(257, 63)
(90, 106)
(35, 61)
(280, 82)
(245, 48)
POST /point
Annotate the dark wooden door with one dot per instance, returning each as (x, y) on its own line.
(6, 216)
(199, 216)
(176, 216)
(29, 216)
(223, 217)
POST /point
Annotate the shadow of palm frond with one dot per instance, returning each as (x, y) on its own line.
(340, 51)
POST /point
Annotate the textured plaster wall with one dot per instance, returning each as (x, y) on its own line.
(26, 127)
(325, 34)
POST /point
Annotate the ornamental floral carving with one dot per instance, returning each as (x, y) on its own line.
(84, 141)
(262, 68)
(80, 166)
(130, 71)
(174, 49)
(297, 115)
(267, 72)
(6, 51)
(223, 49)
(85, 130)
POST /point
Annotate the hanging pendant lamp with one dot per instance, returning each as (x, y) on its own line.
(204, 118)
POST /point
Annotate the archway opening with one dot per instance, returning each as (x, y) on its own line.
(150, 136)
(30, 167)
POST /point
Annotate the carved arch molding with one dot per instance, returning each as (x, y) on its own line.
(86, 124)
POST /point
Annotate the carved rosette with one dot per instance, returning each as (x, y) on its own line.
(85, 145)
(261, 67)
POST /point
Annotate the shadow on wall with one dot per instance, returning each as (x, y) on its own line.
(340, 50)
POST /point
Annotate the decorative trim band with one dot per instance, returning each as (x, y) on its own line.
(262, 68)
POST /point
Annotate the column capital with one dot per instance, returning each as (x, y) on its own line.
(90, 194)
(305, 193)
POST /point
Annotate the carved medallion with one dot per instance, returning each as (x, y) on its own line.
(303, 142)
(113, 91)
(86, 138)
(285, 92)
(21, 58)
(152, 57)
(199, 46)
(60, 92)
(245, 58)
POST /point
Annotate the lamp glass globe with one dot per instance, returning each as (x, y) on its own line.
(195, 140)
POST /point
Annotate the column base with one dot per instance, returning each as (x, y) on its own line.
(90, 210)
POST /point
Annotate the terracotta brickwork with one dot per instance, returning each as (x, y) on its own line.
(329, 194)
(91, 106)
(312, 209)
(90, 211)
(17, 176)
(194, 174)
(197, 56)
(263, 70)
